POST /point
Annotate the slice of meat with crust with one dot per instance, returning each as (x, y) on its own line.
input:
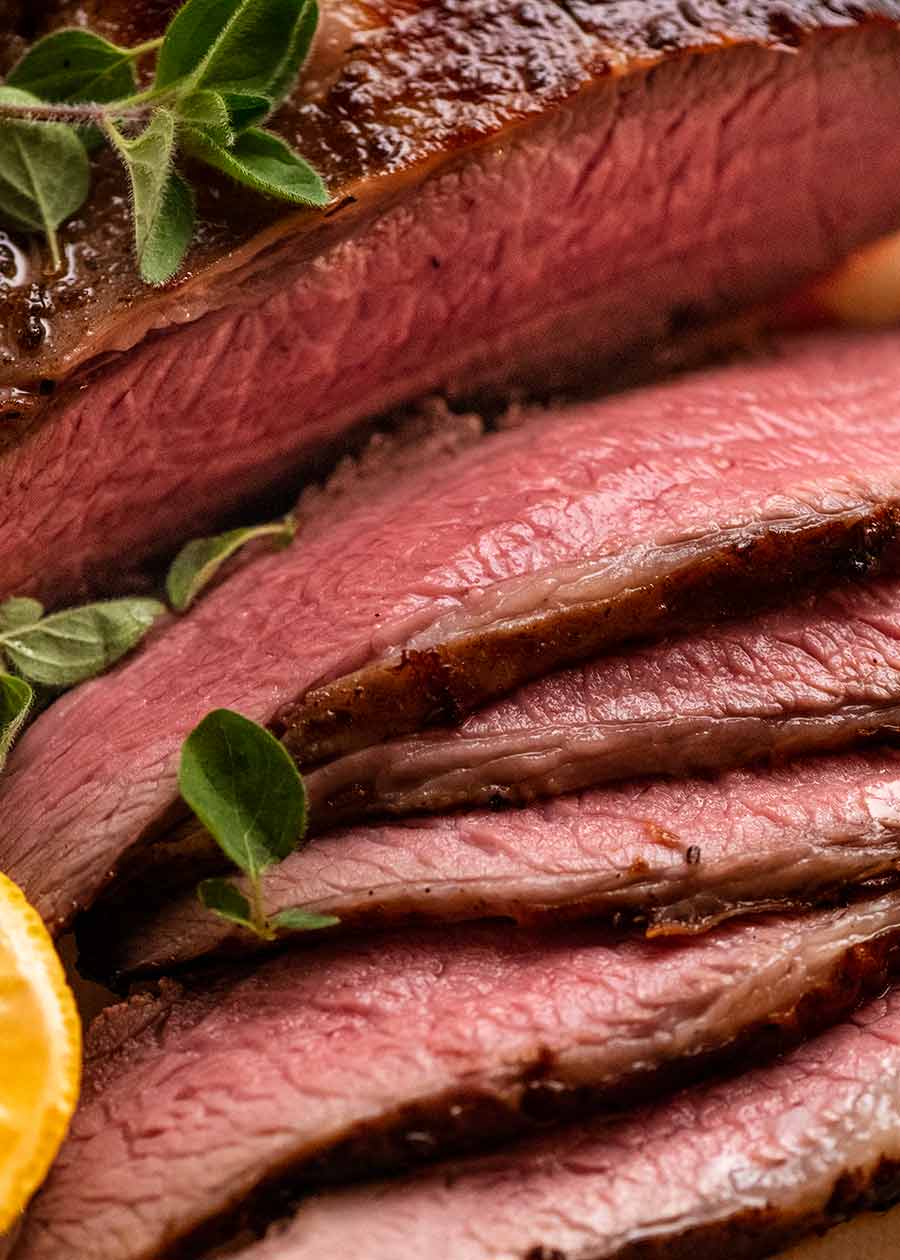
(817, 676)
(518, 188)
(537, 547)
(739, 1168)
(677, 857)
(201, 1103)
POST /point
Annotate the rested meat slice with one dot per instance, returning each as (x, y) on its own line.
(540, 546)
(813, 677)
(738, 1169)
(678, 857)
(513, 186)
(203, 1101)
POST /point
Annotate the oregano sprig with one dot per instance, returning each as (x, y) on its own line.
(222, 67)
(52, 651)
(199, 561)
(244, 787)
(16, 699)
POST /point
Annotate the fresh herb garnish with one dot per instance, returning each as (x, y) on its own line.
(222, 67)
(198, 562)
(16, 699)
(245, 789)
(61, 649)
(68, 647)
(44, 171)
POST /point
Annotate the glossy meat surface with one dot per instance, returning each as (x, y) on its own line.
(737, 1169)
(821, 674)
(521, 197)
(678, 856)
(370, 1054)
(547, 544)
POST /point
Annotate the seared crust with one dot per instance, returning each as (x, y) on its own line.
(539, 1096)
(439, 685)
(393, 85)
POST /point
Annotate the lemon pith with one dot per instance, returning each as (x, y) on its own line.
(40, 1052)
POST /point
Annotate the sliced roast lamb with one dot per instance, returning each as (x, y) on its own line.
(200, 1104)
(740, 1169)
(511, 185)
(814, 677)
(818, 675)
(674, 857)
(538, 547)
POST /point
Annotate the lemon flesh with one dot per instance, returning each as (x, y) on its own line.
(40, 1052)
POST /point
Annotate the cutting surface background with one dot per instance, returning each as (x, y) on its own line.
(869, 1238)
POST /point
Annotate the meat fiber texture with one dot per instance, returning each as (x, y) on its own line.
(196, 1099)
(512, 189)
(551, 542)
(737, 1168)
(677, 857)
(821, 674)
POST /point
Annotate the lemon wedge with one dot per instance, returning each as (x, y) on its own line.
(40, 1052)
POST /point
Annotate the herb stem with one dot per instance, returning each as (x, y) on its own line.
(75, 114)
(53, 243)
(140, 100)
(258, 915)
(149, 46)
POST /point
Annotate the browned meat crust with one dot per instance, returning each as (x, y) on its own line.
(467, 1121)
(387, 91)
(440, 685)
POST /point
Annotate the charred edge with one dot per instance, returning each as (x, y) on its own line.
(358, 800)
(467, 1121)
(102, 931)
(441, 685)
(752, 1235)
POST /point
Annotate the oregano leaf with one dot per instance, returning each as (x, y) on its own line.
(71, 646)
(208, 112)
(262, 161)
(20, 611)
(301, 42)
(190, 36)
(198, 562)
(163, 203)
(226, 900)
(251, 50)
(222, 67)
(170, 236)
(44, 171)
(246, 109)
(296, 919)
(75, 65)
(244, 787)
(16, 698)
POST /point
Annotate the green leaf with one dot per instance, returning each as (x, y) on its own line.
(68, 647)
(264, 162)
(208, 112)
(16, 698)
(246, 109)
(296, 919)
(170, 236)
(20, 611)
(199, 561)
(245, 789)
(163, 203)
(190, 36)
(44, 171)
(304, 31)
(251, 51)
(227, 901)
(75, 65)
(239, 45)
